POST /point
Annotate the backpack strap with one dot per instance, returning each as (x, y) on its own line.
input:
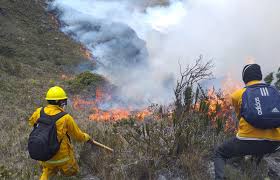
(58, 116)
(54, 118)
(258, 85)
(42, 112)
(42, 116)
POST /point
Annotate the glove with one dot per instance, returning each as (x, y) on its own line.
(87, 137)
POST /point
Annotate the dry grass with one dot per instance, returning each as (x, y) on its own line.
(146, 150)
(33, 55)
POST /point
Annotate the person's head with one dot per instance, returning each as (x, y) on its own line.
(56, 96)
(251, 72)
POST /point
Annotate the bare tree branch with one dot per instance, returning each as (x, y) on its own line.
(190, 76)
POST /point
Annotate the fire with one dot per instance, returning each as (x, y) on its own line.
(220, 109)
(99, 95)
(250, 60)
(214, 101)
(54, 20)
(86, 53)
(142, 114)
(223, 98)
(230, 85)
(66, 77)
(113, 114)
(110, 115)
(79, 103)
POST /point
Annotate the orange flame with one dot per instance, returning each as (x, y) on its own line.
(142, 114)
(66, 77)
(230, 85)
(114, 114)
(99, 95)
(250, 60)
(219, 103)
(79, 103)
(110, 115)
(55, 21)
(86, 53)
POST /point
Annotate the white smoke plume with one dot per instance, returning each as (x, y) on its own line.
(138, 48)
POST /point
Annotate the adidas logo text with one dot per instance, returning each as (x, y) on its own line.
(258, 106)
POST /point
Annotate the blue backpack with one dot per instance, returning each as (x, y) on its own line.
(261, 106)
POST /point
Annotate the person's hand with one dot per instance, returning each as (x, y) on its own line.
(87, 137)
(90, 142)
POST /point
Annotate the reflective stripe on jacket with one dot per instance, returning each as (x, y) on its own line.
(64, 125)
(247, 131)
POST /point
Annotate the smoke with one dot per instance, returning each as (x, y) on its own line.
(138, 47)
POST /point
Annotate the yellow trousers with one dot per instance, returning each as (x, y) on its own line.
(69, 168)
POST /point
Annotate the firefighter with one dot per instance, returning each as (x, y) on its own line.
(249, 140)
(64, 160)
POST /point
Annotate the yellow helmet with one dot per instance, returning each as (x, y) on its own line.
(56, 93)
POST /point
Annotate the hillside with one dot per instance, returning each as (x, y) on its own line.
(33, 56)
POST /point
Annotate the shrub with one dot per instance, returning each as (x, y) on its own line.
(86, 81)
(10, 66)
(270, 79)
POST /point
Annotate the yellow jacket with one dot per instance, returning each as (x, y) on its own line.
(247, 131)
(65, 125)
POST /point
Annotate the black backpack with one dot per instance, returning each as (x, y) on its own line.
(43, 143)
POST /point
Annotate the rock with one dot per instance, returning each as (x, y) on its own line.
(271, 162)
(273, 166)
(168, 174)
(3, 12)
(7, 51)
(161, 177)
(123, 141)
(90, 177)
(211, 169)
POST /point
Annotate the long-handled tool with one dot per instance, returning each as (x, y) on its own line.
(101, 145)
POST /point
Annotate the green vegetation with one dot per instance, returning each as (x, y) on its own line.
(86, 80)
(277, 83)
(270, 78)
(33, 55)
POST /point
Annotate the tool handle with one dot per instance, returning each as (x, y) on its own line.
(102, 145)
